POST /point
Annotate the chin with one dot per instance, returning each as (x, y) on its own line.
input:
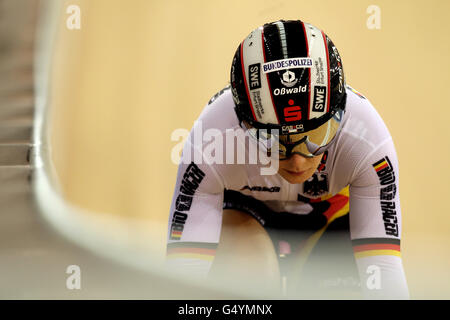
(292, 179)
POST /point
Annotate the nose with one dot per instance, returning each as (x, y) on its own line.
(297, 162)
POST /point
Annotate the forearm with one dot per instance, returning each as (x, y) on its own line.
(190, 258)
(381, 271)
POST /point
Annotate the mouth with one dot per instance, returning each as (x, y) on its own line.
(295, 173)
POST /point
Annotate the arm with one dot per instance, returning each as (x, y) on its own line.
(375, 224)
(195, 218)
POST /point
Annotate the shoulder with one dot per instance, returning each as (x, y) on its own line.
(219, 112)
(362, 140)
(362, 121)
(207, 142)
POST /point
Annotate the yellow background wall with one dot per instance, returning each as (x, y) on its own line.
(139, 69)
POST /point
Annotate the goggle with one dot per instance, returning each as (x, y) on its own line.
(307, 144)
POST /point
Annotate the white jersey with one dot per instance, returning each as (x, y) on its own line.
(361, 165)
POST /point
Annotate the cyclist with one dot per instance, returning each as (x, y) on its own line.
(335, 190)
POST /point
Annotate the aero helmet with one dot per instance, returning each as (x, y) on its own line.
(288, 75)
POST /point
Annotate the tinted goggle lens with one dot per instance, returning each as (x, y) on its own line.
(308, 144)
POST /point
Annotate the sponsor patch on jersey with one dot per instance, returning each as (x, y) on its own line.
(192, 178)
(263, 189)
(255, 76)
(388, 190)
(284, 64)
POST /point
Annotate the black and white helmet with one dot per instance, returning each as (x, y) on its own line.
(288, 75)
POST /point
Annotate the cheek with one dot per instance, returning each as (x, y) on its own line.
(282, 164)
(316, 160)
(286, 164)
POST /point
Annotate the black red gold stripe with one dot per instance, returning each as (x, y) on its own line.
(380, 165)
(192, 250)
(375, 247)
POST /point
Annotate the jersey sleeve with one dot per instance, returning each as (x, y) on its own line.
(375, 224)
(195, 216)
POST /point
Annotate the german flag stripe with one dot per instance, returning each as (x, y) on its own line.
(371, 253)
(204, 245)
(358, 242)
(337, 202)
(375, 247)
(379, 162)
(191, 250)
(380, 246)
(381, 166)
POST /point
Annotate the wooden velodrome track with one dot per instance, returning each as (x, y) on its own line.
(137, 70)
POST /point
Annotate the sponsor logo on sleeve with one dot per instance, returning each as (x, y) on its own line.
(191, 180)
(255, 76)
(388, 190)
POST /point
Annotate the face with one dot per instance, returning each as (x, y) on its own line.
(297, 169)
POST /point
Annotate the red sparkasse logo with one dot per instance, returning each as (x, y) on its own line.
(292, 113)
